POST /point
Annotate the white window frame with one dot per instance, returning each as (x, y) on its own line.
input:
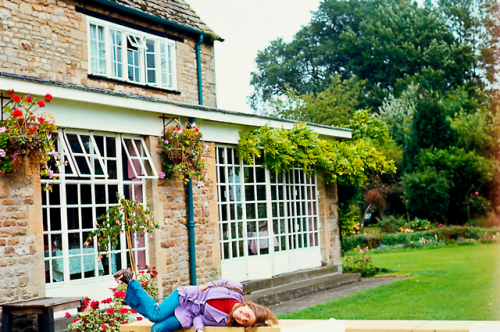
(137, 39)
(88, 157)
(139, 158)
(292, 195)
(65, 179)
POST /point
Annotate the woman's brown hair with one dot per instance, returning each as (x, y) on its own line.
(263, 316)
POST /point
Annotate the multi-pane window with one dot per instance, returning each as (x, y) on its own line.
(259, 210)
(98, 166)
(126, 54)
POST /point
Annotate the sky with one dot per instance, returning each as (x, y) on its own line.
(247, 27)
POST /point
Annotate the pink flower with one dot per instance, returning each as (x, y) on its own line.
(161, 175)
(367, 258)
(110, 311)
(200, 184)
(165, 141)
(133, 311)
(75, 320)
(3, 129)
(124, 322)
(104, 326)
(67, 315)
(117, 222)
(123, 310)
(139, 318)
(51, 173)
(361, 252)
(477, 193)
(108, 300)
(2, 153)
(440, 225)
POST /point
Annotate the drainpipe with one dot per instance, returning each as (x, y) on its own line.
(190, 213)
(198, 60)
(190, 227)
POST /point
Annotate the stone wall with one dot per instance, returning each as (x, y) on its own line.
(21, 239)
(169, 251)
(328, 214)
(48, 39)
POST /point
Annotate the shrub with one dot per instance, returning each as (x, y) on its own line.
(452, 233)
(361, 263)
(391, 224)
(420, 224)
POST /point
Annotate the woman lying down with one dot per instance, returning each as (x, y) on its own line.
(219, 303)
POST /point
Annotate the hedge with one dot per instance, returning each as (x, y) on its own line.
(372, 241)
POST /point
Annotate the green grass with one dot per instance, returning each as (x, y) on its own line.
(452, 283)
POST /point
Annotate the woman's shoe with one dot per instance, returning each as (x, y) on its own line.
(126, 275)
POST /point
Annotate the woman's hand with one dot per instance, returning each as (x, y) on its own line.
(202, 288)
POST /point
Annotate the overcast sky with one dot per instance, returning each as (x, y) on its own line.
(247, 27)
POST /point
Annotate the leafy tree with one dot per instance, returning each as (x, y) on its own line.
(398, 113)
(388, 43)
(466, 171)
(476, 24)
(333, 106)
(430, 129)
(428, 195)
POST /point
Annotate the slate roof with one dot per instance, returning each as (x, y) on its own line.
(177, 11)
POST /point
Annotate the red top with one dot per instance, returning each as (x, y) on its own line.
(224, 305)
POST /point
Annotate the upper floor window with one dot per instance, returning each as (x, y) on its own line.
(122, 53)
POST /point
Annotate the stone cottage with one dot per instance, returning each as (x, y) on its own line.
(119, 70)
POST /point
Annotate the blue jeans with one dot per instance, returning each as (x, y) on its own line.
(163, 314)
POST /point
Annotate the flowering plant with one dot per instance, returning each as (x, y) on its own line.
(181, 151)
(111, 313)
(129, 216)
(24, 133)
(146, 277)
(420, 224)
(361, 263)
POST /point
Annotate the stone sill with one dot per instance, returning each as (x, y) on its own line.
(351, 326)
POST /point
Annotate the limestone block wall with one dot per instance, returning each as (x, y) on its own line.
(48, 39)
(21, 237)
(169, 251)
(328, 214)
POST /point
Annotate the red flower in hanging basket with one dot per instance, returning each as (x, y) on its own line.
(48, 98)
(41, 103)
(16, 99)
(10, 92)
(28, 99)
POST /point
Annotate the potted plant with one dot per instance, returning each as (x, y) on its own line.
(128, 216)
(181, 152)
(25, 134)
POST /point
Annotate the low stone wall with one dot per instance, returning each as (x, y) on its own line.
(350, 325)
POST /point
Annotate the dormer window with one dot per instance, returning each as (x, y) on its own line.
(122, 53)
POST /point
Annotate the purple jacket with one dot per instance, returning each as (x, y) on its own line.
(193, 310)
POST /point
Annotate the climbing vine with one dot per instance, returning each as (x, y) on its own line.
(347, 161)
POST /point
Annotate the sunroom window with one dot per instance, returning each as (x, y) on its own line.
(94, 167)
(121, 53)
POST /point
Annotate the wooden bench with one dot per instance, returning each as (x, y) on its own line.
(44, 308)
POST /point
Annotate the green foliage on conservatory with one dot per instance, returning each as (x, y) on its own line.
(346, 161)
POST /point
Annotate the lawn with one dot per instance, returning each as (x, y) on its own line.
(451, 283)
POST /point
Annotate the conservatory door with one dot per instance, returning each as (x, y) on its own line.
(268, 223)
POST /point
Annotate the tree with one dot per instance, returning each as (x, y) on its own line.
(388, 43)
(475, 23)
(430, 129)
(398, 113)
(333, 106)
